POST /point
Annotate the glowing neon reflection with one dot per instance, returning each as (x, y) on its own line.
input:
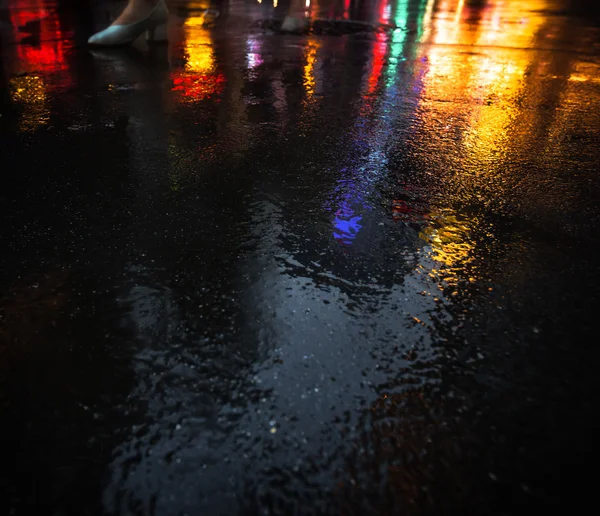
(358, 184)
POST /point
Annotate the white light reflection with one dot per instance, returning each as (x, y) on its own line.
(253, 56)
(387, 12)
(459, 9)
(427, 20)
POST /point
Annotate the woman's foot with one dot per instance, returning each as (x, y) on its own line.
(138, 16)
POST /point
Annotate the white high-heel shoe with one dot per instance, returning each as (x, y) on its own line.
(155, 26)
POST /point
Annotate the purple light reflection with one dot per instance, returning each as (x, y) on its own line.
(346, 223)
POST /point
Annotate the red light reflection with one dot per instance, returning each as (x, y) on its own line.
(377, 61)
(194, 87)
(47, 51)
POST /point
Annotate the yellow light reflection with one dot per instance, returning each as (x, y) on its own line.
(198, 46)
(451, 244)
(583, 78)
(487, 78)
(585, 71)
(30, 93)
(574, 119)
(500, 80)
(199, 78)
(309, 67)
(470, 106)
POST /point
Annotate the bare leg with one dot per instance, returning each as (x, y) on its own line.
(139, 16)
(135, 11)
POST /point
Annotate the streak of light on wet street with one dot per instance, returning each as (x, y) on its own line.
(350, 269)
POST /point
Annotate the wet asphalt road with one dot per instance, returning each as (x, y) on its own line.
(319, 273)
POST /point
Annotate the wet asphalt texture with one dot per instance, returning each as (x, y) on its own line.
(337, 271)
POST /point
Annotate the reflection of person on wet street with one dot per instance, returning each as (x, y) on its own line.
(139, 16)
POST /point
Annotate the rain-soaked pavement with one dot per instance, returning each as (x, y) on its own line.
(332, 272)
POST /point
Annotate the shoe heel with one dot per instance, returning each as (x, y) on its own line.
(157, 34)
